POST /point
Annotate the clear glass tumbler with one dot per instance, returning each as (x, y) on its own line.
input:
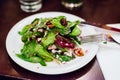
(30, 5)
(72, 4)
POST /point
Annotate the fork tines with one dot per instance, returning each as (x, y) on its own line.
(93, 38)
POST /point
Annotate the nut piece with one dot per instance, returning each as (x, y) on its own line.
(79, 52)
(63, 22)
(49, 24)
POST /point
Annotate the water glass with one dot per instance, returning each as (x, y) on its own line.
(72, 4)
(30, 5)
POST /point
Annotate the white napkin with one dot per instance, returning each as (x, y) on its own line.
(109, 59)
(109, 55)
(117, 25)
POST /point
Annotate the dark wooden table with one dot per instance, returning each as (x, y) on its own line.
(100, 11)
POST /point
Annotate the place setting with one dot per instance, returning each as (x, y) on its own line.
(60, 39)
(86, 40)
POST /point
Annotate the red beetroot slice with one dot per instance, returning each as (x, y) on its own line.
(63, 42)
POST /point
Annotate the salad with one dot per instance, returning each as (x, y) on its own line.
(50, 39)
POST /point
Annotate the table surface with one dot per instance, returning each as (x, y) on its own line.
(99, 11)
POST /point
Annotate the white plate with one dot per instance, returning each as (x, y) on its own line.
(14, 45)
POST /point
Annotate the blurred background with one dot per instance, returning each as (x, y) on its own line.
(103, 11)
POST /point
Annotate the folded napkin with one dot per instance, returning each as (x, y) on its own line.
(109, 59)
(109, 56)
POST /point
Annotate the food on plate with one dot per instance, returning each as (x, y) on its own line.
(50, 39)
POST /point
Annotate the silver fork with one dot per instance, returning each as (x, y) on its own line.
(92, 38)
(104, 37)
(98, 38)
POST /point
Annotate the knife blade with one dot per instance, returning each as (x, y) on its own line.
(103, 26)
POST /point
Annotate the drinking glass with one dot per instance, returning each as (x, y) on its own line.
(30, 5)
(71, 4)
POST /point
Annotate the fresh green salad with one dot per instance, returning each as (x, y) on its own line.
(50, 39)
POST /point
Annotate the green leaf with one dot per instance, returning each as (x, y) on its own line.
(22, 57)
(43, 22)
(65, 58)
(32, 59)
(75, 39)
(25, 29)
(73, 24)
(29, 49)
(25, 37)
(37, 60)
(49, 39)
(35, 22)
(56, 22)
(75, 32)
(63, 31)
(43, 52)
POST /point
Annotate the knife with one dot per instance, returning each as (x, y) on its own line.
(104, 26)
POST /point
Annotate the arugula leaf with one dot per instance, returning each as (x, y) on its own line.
(25, 29)
(32, 59)
(41, 51)
(56, 22)
(35, 22)
(43, 22)
(37, 60)
(65, 58)
(76, 40)
(73, 24)
(28, 49)
(75, 32)
(49, 39)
